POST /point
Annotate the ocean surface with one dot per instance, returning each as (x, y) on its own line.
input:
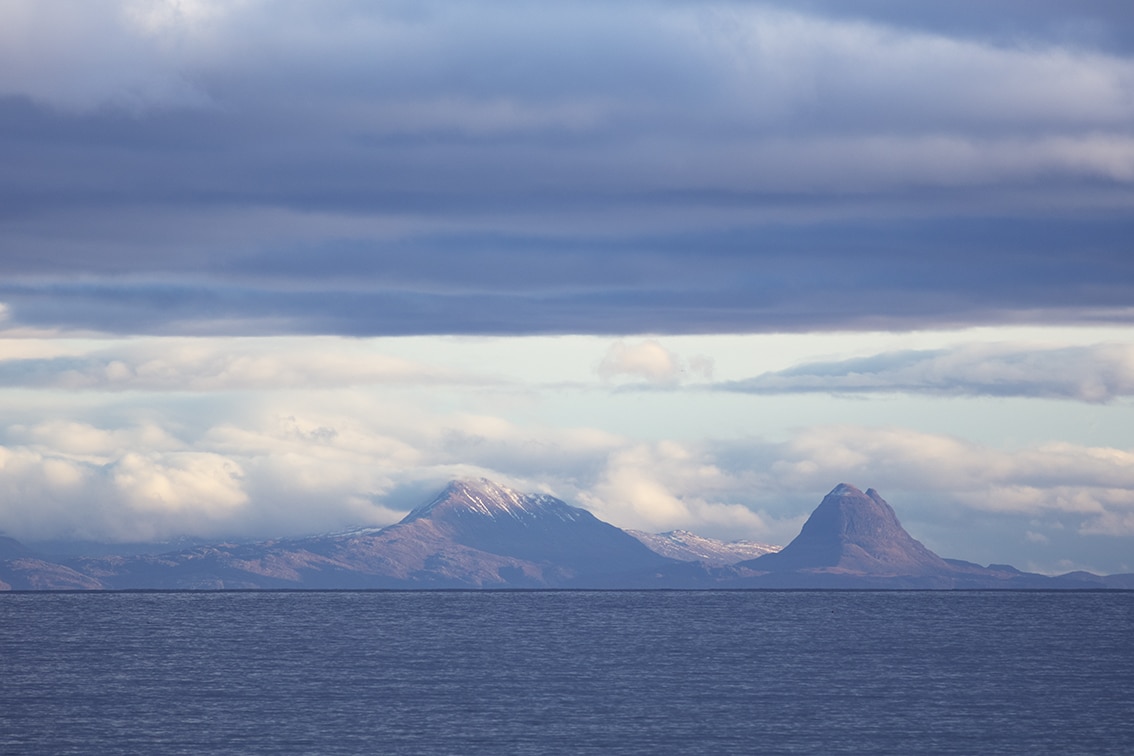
(567, 673)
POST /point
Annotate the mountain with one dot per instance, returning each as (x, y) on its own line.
(854, 540)
(477, 534)
(690, 547)
(27, 573)
(10, 548)
(474, 534)
(854, 532)
(563, 541)
(23, 569)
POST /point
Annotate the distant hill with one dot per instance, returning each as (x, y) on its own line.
(476, 534)
(10, 548)
(856, 533)
(854, 540)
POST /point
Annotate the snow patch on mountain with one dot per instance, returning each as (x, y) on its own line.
(690, 547)
(485, 498)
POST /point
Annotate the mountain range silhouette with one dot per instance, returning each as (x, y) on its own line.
(477, 534)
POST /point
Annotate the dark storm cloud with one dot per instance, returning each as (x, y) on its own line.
(512, 168)
(783, 278)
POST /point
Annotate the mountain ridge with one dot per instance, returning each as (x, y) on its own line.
(476, 534)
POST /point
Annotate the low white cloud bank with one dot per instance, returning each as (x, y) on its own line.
(1092, 485)
(668, 485)
(284, 464)
(269, 438)
(652, 362)
(322, 466)
(1092, 373)
(135, 496)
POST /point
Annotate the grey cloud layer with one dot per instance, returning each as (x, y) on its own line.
(447, 167)
(235, 365)
(1097, 373)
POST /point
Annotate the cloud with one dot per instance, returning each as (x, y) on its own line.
(207, 487)
(137, 496)
(1093, 373)
(85, 441)
(267, 465)
(371, 168)
(831, 276)
(193, 169)
(792, 63)
(1089, 24)
(288, 463)
(668, 485)
(1092, 485)
(204, 365)
(208, 484)
(128, 54)
(650, 361)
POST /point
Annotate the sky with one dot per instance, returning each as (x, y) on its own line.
(276, 268)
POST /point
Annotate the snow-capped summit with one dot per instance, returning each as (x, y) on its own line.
(562, 541)
(484, 498)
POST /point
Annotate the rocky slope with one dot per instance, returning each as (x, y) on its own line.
(854, 532)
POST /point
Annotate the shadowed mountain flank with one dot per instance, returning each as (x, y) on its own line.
(537, 528)
(854, 532)
(10, 548)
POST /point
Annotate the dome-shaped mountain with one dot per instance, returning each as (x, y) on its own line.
(854, 532)
(538, 528)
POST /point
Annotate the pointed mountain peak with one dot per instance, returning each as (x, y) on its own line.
(851, 512)
(846, 489)
(852, 531)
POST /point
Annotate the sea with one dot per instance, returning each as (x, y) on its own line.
(570, 672)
